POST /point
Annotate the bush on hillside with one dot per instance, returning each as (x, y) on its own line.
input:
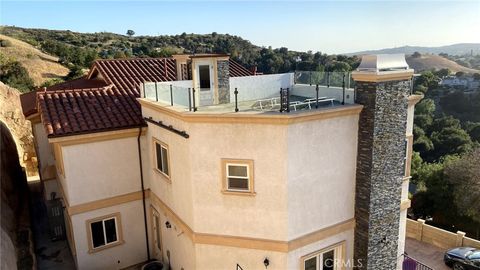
(5, 43)
(16, 76)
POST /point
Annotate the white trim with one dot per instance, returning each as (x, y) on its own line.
(246, 178)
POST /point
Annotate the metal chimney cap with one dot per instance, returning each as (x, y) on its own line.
(383, 62)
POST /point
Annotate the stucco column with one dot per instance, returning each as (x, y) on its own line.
(382, 85)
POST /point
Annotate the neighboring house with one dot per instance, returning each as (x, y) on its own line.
(467, 82)
(152, 160)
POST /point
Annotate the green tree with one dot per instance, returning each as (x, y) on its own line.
(464, 175)
(450, 141)
(416, 55)
(442, 72)
(130, 33)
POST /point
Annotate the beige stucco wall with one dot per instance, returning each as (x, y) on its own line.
(99, 170)
(44, 148)
(173, 241)
(289, 165)
(133, 251)
(218, 213)
(176, 193)
(194, 193)
(321, 173)
(211, 257)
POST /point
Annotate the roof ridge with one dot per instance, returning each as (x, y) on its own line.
(133, 58)
(59, 91)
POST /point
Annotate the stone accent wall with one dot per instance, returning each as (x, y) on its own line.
(223, 72)
(380, 170)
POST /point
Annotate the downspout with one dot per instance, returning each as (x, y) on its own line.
(143, 192)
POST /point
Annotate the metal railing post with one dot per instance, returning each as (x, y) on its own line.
(189, 100)
(310, 77)
(316, 101)
(156, 92)
(343, 87)
(288, 100)
(328, 79)
(171, 95)
(193, 94)
(281, 100)
(236, 99)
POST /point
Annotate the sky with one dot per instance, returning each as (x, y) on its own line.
(326, 26)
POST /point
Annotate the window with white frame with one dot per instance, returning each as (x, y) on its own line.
(237, 175)
(161, 158)
(104, 232)
(328, 259)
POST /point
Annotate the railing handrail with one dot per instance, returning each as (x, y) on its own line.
(419, 265)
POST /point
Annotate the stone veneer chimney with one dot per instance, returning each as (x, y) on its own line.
(223, 71)
(382, 84)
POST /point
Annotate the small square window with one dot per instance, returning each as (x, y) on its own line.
(104, 232)
(237, 176)
(161, 158)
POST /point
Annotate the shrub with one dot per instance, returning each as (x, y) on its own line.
(5, 43)
(15, 75)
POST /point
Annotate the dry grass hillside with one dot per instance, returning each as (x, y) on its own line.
(40, 66)
(430, 61)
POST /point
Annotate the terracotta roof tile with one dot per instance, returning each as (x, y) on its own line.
(71, 112)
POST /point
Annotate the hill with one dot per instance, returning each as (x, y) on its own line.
(431, 61)
(40, 66)
(81, 49)
(454, 49)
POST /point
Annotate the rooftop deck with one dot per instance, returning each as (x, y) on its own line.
(264, 94)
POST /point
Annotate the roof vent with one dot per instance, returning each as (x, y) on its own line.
(383, 62)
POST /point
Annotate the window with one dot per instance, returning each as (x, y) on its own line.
(237, 176)
(104, 232)
(161, 158)
(406, 157)
(327, 259)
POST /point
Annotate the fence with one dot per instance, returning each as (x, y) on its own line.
(412, 264)
(328, 79)
(420, 231)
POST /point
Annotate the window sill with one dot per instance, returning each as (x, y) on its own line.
(163, 175)
(239, 193)
(121, 242)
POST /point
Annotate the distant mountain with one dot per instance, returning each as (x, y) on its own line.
(455, 49)
(431, 61)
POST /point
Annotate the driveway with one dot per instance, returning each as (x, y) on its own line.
(427, 254)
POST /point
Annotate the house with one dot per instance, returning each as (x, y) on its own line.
(466, 82)
(196, 161)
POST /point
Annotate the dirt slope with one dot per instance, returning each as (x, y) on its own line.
(40, 66)
(11, 114)
(429, 61)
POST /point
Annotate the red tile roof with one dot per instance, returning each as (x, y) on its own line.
(29, 100)
(73, 112)
(127, 74)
